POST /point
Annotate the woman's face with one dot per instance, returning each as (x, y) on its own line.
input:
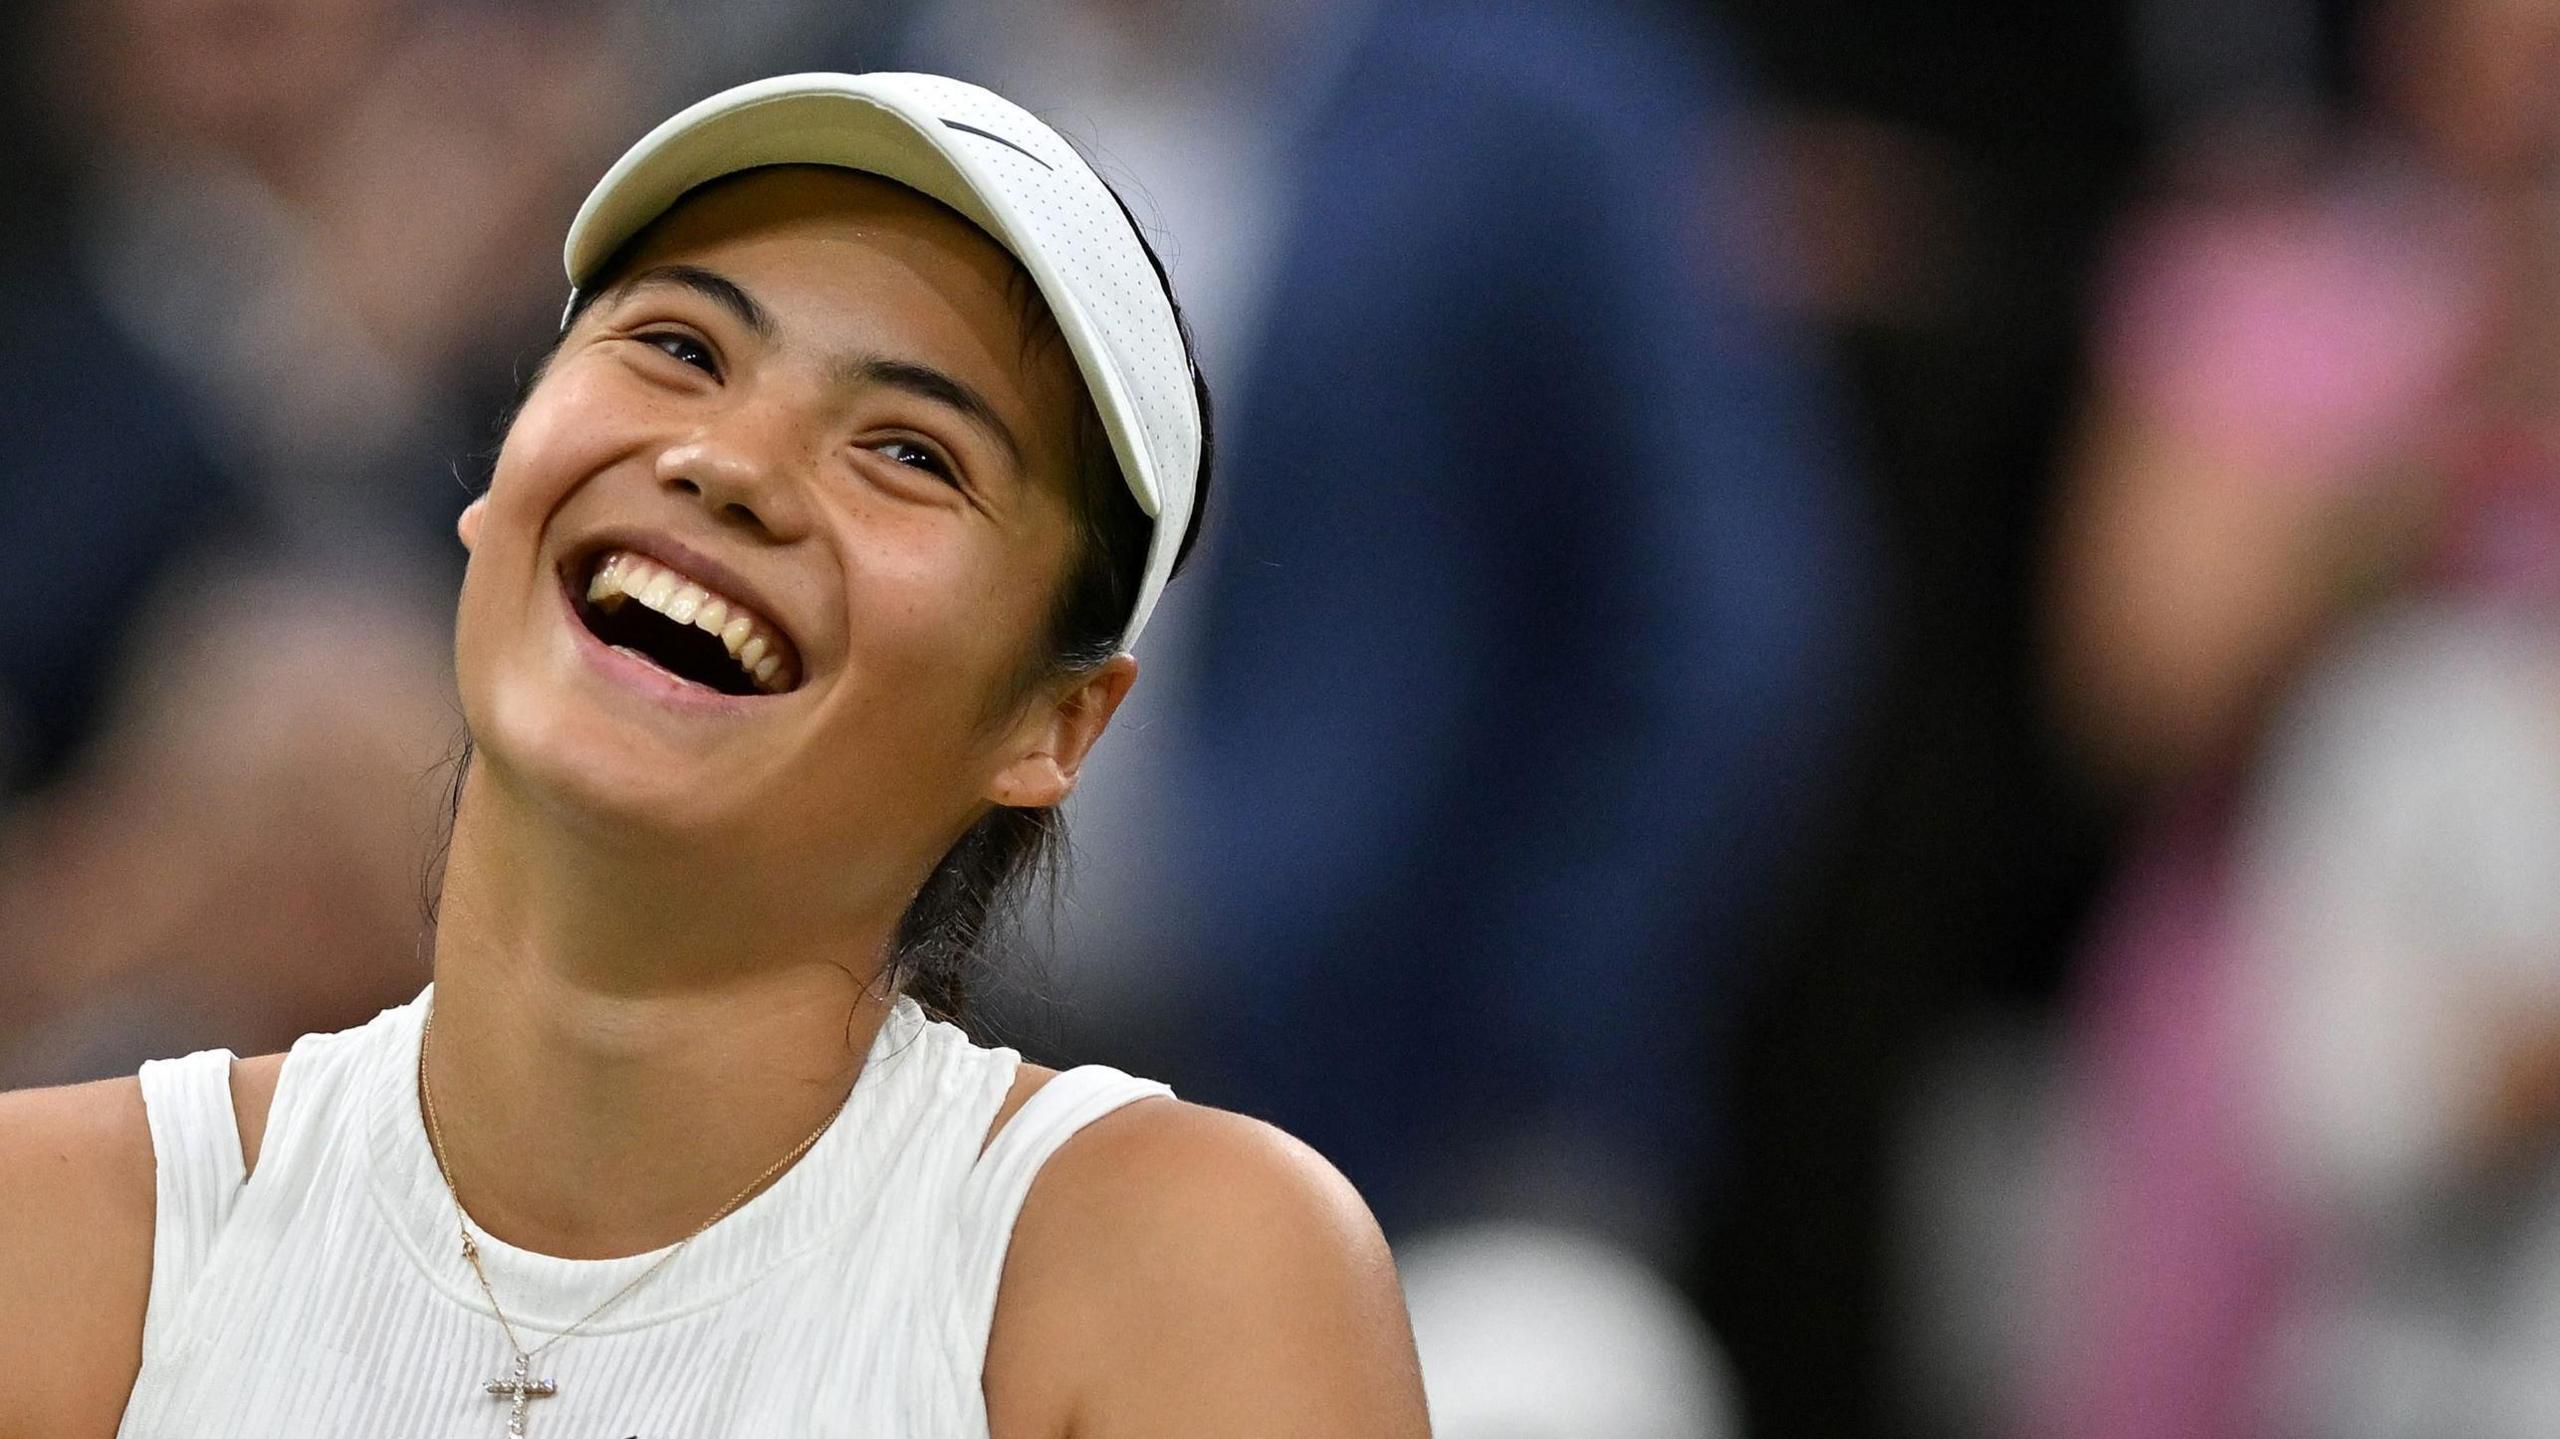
(772, 542)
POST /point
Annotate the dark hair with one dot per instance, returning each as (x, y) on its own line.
(946, 928)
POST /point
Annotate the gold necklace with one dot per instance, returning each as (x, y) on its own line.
(520, 1387)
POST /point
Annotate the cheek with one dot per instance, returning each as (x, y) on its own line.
(547, 452)
(946, 605)
(568, 428)
(493, 596)
(938, 631)
(574, 426)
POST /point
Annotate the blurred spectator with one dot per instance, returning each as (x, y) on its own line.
(239, 857)
(108, 485)
(282, 256)
(2400, 889)
(1533, 631)
(2326, 392)
(1952, 165)
(1534, 592)
(325, 219)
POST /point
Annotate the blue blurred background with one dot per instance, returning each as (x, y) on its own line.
(1870, 721)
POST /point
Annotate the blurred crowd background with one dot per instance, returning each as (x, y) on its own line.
(1870, 723)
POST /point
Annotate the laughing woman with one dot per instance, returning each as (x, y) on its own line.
(805, 583)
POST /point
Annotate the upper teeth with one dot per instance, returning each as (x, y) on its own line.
(755, 644)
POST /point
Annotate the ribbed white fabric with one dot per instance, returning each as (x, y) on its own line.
(327, 1296)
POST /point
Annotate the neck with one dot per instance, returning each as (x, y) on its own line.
(621, 1045)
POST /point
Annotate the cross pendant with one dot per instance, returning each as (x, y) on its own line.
(523, 1389)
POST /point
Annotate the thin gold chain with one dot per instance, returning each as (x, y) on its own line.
(471, 1250)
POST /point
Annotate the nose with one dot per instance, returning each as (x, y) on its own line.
(738, 468)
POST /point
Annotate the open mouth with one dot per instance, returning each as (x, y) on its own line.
(645, 609)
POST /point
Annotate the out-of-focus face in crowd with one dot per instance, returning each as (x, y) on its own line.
(426, 149)
(2478, 81)
(247, 77)
(328, 223)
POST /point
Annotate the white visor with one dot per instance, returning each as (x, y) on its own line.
(1014, 178)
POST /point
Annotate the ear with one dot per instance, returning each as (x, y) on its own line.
(473, 514)
(1055, 737)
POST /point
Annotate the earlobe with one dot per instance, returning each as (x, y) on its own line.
(468, 526)
(1044, 773)
(1034, 781)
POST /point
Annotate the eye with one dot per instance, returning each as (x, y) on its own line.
(916, 455)
(683, 347)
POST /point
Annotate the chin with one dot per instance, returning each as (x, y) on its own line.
(635, 782)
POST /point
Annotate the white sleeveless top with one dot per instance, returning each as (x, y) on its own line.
(327, 1294)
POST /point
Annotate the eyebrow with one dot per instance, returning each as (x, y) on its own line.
(928, 383)
(712, 286)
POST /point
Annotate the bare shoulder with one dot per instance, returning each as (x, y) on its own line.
(76, 1202)
(78, 1206)
(1184, 1270)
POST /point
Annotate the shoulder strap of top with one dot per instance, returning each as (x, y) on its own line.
(991, 1198)
(195, 1148)
(315, 1090)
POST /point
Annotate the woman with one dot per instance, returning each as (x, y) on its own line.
(802, 589)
